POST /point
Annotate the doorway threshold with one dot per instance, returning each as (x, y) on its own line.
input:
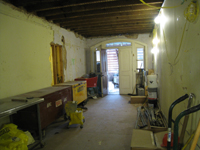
(112, 89)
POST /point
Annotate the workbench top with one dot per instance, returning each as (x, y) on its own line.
(71, 83)
(11, 105)
(43, 92)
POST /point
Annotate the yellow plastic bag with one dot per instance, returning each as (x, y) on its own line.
(12, 138)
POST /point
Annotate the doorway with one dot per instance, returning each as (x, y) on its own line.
(128, 62)
(113, 71)
(57, 64)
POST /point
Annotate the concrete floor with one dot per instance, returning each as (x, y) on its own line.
(108, 126)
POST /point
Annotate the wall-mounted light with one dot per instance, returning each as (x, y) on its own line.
(157, 20)
(160, 19)
(155, 50)
(155, 41)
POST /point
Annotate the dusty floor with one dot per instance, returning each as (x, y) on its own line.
(108, 126)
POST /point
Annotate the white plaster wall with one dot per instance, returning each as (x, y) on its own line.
(25, 49)
(144, 38)
(75, 52)
(24, 52)
(177, 79)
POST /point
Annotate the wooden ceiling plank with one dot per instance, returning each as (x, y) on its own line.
(141, 15)
(112, 30)
(61, 4)
(117, 33)
(148, 22)
(113, 11)
(113, 27)
(29, 2)
(114, 34)
(106, 21)
(114, 18)
(99, 6)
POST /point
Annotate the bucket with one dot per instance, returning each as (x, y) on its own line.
(152, 93)
(152, 81)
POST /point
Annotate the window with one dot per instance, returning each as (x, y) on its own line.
(117, 44)
(140, 58)
(97, 56)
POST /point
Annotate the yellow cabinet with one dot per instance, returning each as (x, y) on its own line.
(79, 90)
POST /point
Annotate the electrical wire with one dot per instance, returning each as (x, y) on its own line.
(180, 43)
(166, 45)
(191, 14)
(161, 7)
(173, 64)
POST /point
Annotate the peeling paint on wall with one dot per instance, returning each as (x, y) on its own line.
(51, 63)
(33, 71)
(75, 50)
(64, 51)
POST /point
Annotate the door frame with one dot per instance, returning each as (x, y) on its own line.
(102, 45)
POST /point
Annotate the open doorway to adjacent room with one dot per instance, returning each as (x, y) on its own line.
(113, 71)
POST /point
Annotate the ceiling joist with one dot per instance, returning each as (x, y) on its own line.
(61, 4)
(134, 9)
(107, 22)
(97, 6)
(93, 18)
(108, 17)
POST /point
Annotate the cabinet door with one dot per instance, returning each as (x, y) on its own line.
(79, 92)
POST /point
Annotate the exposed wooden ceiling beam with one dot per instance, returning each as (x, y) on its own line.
(115, 33)
(150, 22)
(115, 22)
(96, 17)
(99, 6)
(108, 17)
(113, 11)
(29, 2)
(61, 4)
(107, 22)
(112, 27)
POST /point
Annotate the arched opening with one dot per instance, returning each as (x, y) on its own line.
(131, 56)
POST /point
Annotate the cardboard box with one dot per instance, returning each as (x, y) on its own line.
(138, 99)
(143, 140)
(159, 139)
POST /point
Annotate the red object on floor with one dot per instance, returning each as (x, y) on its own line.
(164, 143)
(91, 82)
